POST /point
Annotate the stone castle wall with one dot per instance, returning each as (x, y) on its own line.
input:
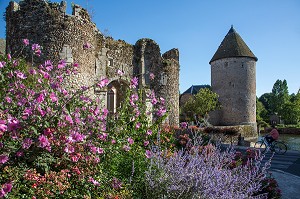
(234, 80)
(64, 36)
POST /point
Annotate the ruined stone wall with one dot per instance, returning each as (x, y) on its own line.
(119, 57)
(165, 68)
(170, 89)
(76, 39)
(61, 36)
(234, 80)
(2, 46)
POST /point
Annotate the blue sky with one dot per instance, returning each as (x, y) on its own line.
(271, 28)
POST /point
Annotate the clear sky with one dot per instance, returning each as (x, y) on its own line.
(271, 28)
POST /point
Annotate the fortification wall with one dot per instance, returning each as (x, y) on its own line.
(75, 38)
(170, 89)
(234, 80)
(61, 36)
(119, 57)
(2, 46)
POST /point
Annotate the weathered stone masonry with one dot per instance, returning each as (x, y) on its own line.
(63, 36)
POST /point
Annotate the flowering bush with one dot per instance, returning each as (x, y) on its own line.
(56, 142)
(269, 184)
(204, 172)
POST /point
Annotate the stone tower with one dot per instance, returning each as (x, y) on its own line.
(233, 78)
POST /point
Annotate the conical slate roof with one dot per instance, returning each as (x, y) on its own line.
(233, 46)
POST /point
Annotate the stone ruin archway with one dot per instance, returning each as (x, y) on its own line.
(116, 91)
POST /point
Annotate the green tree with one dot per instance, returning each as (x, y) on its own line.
(291, 110)
(201, 103)
(261, 112)
(279, 96)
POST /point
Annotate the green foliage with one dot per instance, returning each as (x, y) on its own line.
(202, 103)
(279, 96)
(280, 102)
(261, 111)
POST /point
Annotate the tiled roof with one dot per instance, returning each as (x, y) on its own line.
(195, 88)
(233, 46)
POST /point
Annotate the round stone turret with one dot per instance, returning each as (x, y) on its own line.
(233, 78)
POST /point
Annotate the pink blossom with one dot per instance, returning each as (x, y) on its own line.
(41, 111)
(32, 71)
(6, 188)
(87, 45)
(3, 126)
(61, 64)
(20, 153)
(13, 124)
(69, 119)
(96, 111)
(48, 65)
(126, 148)
(53, 97)
(76, 137)
(116, 183)
(137, 112)
(3, 158)
(149, 132)
(25, 42)
(154, 101)
(103, 83)
(43, 141)
(162, 100)
(133, 98)
(146, 143)
(8, 100)
(148, 154)
(9, 56)
(45, 74)
(105, 111)
(69, 149)
(95, 182)
(75, 157)
(130, 140)
(41, 98)
(103, 136)
(15, 62)
(96, 150)
(152, 76)
(2, 64)
(134, 82)
(183, 124)
(119, 72)
(26, 113)
(20, 75)
(113, 141)
(48, 131)
(161, 111)
(27, 142)
(138, 125)
(96, 160)
(36, 49)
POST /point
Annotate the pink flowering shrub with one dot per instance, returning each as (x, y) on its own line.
(59, 143)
